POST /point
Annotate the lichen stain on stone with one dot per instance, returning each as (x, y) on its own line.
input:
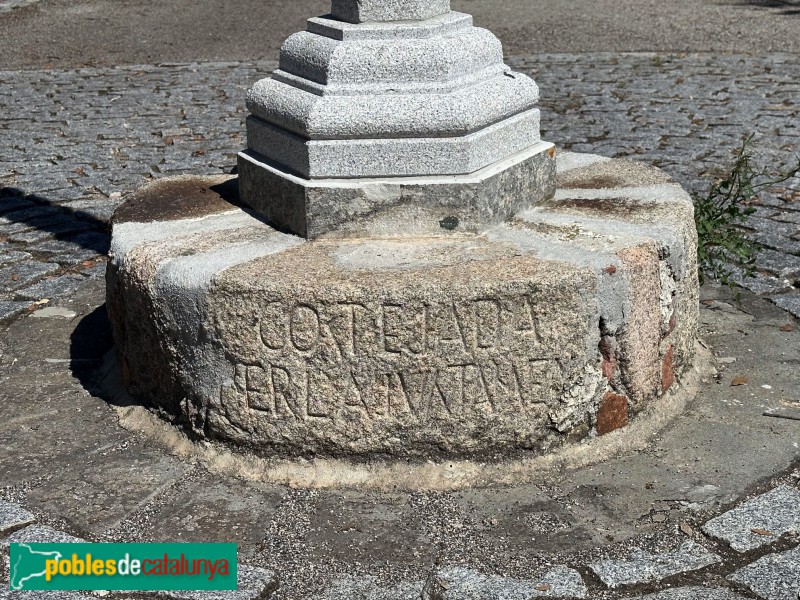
(173, 199)
(449, 223)
(615, 206)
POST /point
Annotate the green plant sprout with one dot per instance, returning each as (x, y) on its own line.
(722, 244)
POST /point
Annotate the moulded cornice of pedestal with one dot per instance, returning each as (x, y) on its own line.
(360, 11)
(388, 61)
(338, 30)
(380, 115)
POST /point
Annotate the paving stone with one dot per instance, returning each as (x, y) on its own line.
(694, 593)
(41, 595)
(790, 302)
(27, 214)
(761, 284)
(643, 567)
(254, 583)
(57, 287)
(788, 217)
(457, 583)
(20, 275)
(778, 263)
(370, 588)
(9, 310)
(40, 534)
(13, 516)
(778, 242)
(776, 512)
(773, 577)
(10, 203)
(6, 258)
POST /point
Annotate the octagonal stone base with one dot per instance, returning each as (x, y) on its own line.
(558, 325)
(397, 205)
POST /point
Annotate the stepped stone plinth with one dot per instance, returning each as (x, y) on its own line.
(394, 272)
(382, 105)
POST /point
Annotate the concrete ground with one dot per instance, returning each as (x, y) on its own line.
(74, 141)
(74, 33)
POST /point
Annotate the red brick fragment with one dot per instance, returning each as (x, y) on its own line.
(613, 413)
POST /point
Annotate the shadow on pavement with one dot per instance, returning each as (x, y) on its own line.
(35, 213)
(786, 7)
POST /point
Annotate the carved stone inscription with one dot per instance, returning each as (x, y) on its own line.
(410, 362)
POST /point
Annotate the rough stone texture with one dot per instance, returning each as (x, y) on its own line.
(41, 595)
(53, 288)
(776, 512)
(420, 346)
(397, 206)
(9, 310)
(369, 588)
(682, 113)
(254, 583)
(643, 567)
(773, 577)
(612, 413)
(694, 593)
(429, 98)
(790, 302)
(359, 11)
(39, 534)
(398, 157)
(13, 517)
(457, 583)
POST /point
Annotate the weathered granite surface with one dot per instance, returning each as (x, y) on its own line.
(760, 521)
(418, 91)
(398, 205)
(456, 344)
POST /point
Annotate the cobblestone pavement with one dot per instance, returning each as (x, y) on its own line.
(75, 142)
(9, 5)
(769, 574)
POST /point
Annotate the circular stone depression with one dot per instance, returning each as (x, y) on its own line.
(557, 326)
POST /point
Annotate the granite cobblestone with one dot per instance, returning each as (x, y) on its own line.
(79, 140)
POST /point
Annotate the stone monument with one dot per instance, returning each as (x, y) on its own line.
(393, 273)
(397, 117)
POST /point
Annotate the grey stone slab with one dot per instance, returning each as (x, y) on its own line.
(13, 517)
(643, 567)
(788, 217)
(14, 256)
(416, 65)
(56, 287)
(360, 11)
(394, 157)
(773, 577)
(781, 264)
(777, 242)
(370, 588)
(20, 275)
(343, 31)
(27, 214)
(760, 284)
(360, 111)
(9, 310)
(695, 593)
(790, 302)
(776, 512)
(10, 203)
(40, 534)
(457, 583)
(254, 583)
(41, 595)
(402, 205)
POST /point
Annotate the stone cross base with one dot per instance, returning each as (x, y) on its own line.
(400, 205)
(384, 106)
(562, 323)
